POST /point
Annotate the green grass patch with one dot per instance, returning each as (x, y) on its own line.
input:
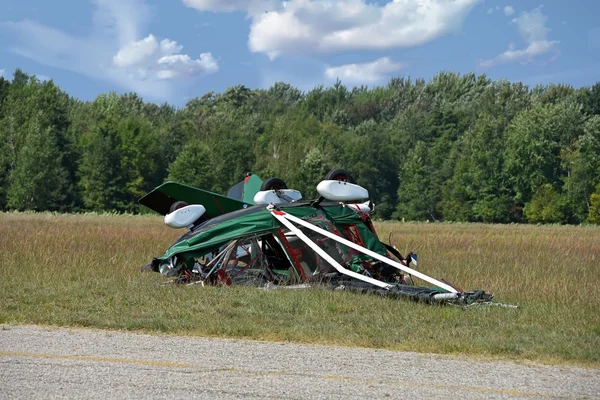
(74, 270)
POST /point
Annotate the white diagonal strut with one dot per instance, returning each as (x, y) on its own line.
(370, 253)
(326, 256)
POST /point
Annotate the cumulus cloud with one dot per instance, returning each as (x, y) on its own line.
(115, 51)
(309, 26)
(508, 11)
(163, 61)
(181, 65)
(364, 73)
(231, 5)
(532, 29)
(136, 52)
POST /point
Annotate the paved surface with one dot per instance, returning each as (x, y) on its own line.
(38, 362)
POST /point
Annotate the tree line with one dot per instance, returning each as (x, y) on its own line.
(456, 148)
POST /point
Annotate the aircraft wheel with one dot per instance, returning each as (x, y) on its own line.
(273, 184)
(339, 175)
(177, 205)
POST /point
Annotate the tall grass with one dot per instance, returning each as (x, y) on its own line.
(84, 271)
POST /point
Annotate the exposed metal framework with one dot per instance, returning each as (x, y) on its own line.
(287, 219)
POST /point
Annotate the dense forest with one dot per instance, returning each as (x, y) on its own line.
(456, 148)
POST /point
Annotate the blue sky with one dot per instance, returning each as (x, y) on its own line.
(174, 50)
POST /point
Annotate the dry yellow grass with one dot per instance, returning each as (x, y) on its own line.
(547, 264)
(84, 271)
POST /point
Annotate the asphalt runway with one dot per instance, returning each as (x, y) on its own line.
(39, 362)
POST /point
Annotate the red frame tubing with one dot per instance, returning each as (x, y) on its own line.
(292, 253)
(223, 277)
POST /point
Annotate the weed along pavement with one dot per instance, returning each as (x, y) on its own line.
(39, 362)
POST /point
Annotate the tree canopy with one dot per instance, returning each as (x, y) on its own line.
(456, 148)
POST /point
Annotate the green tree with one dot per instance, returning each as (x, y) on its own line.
(312, 170)
(594, 212)
(478, 189)
(236, 96)
(280, 149)
(534, 141)
(460, 147)
(100, 181)
(13, 127)
(592, 102)
(503, 99)
(417, 195)
(546, 206)
(55, 106)
(193, 166)
(28, 108)
(4, 88)
(38, 181)
(374, 165)
(553, 94)
(581, 161)
(138, 151)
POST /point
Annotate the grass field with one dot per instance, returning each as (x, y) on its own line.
(75, 270)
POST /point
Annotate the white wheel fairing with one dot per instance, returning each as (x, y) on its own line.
(185, 217)
(276, 196)
(341, 191)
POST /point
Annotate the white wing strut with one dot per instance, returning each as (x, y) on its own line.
(282, 215)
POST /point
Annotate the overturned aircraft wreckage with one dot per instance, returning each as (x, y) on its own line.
(264, 234)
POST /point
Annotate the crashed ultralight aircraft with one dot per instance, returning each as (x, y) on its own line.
(265, 234)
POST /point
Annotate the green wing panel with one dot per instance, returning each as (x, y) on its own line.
(161, 198)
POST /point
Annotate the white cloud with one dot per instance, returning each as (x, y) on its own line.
(525, 55)
(508, 11)
(151, 59)
(231, 5)
(2, 72)
(169, 46)
(305, 26)
(490, 11)
(181, 65)
(114, 51)
(218, 5)
(364, 73)
(135, 52)
(532, 29)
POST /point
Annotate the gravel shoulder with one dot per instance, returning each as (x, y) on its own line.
(41, 362)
